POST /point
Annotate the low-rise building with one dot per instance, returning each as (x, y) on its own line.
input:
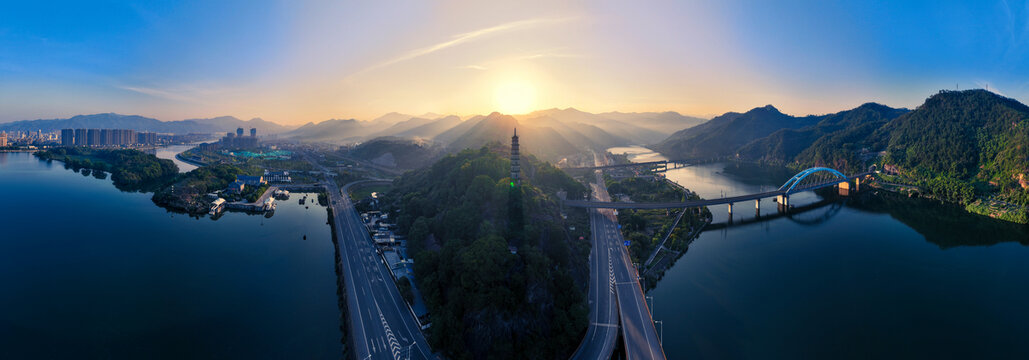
(277, 176)
(217, 205)
(235, 187)
(251, 180)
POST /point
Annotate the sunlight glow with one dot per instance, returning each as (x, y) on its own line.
(516, 97)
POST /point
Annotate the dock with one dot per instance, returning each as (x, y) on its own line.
(264, 203)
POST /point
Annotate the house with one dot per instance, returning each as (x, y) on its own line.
(235, 187)
(251, 180)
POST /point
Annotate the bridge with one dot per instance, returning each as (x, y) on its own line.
(824, 177)
(618, 306)
(660, 165)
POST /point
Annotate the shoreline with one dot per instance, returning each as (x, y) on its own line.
(189, 161)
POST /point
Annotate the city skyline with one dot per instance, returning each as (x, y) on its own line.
(296, 63)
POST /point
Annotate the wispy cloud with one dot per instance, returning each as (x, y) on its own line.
(548, 56)
(989, 86)
(474, 67)
(466, 37)
(159, 93)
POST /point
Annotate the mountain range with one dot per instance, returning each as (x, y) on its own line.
(550, 134)
(142, 123)
(955, 145)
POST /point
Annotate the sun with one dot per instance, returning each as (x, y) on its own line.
(516, 97)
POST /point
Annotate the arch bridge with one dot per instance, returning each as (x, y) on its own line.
(806, 180)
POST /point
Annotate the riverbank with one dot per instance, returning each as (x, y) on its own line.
(656, 238)
(190, 160)
(130, 169)
(133, 170)
(989, 206)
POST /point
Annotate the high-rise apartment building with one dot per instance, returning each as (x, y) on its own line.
(67, 137)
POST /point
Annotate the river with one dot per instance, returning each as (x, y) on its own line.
(88, 271)
(875, 275)
(169, 152)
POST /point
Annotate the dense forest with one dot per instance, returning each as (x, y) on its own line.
(500, 266)
(130, 169)
(958, 144)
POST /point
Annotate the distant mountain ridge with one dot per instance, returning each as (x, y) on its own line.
(550, 134)
(142, 123)
(723, 135)
(958, 146)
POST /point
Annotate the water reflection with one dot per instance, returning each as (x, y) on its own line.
(945, 225)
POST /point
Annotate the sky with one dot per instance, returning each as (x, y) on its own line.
(299, 61)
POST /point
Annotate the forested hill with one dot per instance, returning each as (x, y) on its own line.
(836, 140)
(958, 145)
(461, 215)
(723, 135)
(958, 133)
(974, 136)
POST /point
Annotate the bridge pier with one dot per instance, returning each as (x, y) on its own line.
(784, 203)
(730, 212)
(844, 188)
(757, 207)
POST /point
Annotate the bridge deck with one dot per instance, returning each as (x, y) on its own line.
(703, 202)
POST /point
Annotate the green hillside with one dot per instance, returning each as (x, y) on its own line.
(461, 215)
(835, 141)
(975, 137)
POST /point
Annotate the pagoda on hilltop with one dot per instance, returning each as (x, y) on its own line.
(515, 169)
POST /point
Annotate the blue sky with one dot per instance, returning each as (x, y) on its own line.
(294, 62)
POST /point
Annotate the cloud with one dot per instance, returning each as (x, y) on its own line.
(989, 87)
(158, 93)
(474, 67)
(466, 37)
(548, 56)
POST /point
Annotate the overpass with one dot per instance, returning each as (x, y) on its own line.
(614, 282)
(617, 303)
(659, 165)
(663, 163)
(796, 184)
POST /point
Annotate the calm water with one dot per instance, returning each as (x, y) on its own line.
(169, 152)
(87, 271)
(871, 276)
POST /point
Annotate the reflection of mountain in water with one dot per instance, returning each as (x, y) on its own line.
(945, 225)
(757, 174)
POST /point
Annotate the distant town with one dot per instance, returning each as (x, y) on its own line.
(96, 138)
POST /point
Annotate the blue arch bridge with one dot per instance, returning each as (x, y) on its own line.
(807, 180)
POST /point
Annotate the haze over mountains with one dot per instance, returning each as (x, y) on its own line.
(142, 123)
(550, 134)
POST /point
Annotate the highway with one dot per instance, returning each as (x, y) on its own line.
(639, 335)
(602, 333)
(613, 280)
(382, 326)
(381, 323)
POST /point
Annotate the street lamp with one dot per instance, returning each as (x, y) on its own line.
(651, 307)
(661, 336)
